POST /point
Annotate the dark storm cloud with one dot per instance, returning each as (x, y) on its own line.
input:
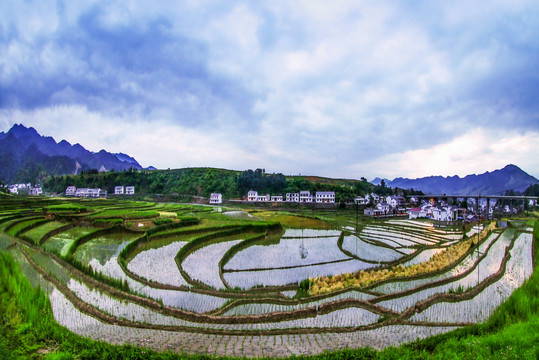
(139, 64)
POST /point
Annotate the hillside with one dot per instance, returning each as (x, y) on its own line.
(204, 181)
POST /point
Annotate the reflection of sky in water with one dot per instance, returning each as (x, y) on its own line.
(368, 251)
(180, 299)
(465, 265)
(240, 215)
(104, 247)
(487, 267)
(100, 252)
(292, 250)
(276, 277)
(203, 264)
(159, 265)
(134, 312)
(519, 268)
(59, 243)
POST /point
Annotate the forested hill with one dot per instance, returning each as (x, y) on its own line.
(204, 181)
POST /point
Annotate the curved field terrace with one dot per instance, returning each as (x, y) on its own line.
(189, 279)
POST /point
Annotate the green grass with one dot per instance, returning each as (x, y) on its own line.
(37, 233)
(126, 214)
(61, 242)
(67, 207)
(22, 225)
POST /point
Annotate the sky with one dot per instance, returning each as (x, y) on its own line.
(343, 89)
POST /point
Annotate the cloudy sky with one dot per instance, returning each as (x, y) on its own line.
(331, 88)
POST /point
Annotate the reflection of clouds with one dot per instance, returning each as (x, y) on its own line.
(288, 251)
(519, 268)
(159, 265)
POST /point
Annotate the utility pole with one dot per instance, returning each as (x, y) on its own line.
(357, 221)
(478, 252)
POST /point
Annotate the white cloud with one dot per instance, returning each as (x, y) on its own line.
(332, 88)
(477, 151)
(160, 143)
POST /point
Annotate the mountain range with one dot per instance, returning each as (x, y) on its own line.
(25, 155)
(497, 182)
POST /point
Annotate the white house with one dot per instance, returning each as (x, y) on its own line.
(94, 193)
(375, 198)
(130, 190)
(36, 191)
(415, 213)
(70, 191)
(384, 207)
(23, 186)
(325, 197)
(305, 196)
(263, 198)
(292, 197)
(81, 192)
(361, 200)
(216, 198)
(13, 189)
(373, 212)
(395, 201)
(379, 209)
(442, 214)
(391, 201)
(277, 198)
(118, 190)
(427, 208)
(252, 195)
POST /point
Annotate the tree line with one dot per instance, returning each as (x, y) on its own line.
(230, 183)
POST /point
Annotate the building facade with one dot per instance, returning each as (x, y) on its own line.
(216, 198)
(325, 197)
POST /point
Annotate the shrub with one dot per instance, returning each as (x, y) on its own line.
(161, 221)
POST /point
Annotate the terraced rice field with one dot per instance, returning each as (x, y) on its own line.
(244, 287)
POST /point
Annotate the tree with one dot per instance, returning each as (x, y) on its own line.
(532, 190)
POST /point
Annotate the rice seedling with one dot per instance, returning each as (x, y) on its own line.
(478, 309)
(37, 233)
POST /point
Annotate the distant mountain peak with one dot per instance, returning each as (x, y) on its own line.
(496, 182)
(22, 145)
(127, 158)
(377, 181)
(19, 130)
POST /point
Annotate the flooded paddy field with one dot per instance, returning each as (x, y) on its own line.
(246, 284)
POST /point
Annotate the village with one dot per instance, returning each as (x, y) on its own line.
(97, 192)
(372, 205)
(28, 189)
